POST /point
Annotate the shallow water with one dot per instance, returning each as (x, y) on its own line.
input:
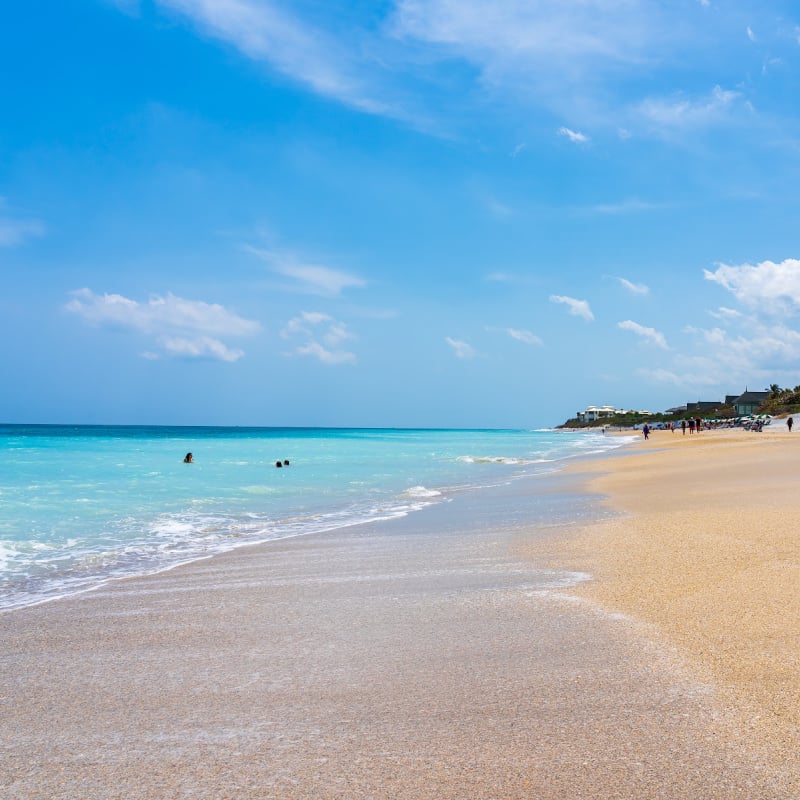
(80, 505)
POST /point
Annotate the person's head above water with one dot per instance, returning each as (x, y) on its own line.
(188, 458)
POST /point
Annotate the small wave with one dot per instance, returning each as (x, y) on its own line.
(422, 491)
(513, 461)
(7, 554)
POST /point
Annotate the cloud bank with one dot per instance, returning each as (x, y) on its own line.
(768, 286)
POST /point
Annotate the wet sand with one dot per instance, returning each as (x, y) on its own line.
(431, 657)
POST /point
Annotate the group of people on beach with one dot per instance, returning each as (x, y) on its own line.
(189, 459)
(694, 424)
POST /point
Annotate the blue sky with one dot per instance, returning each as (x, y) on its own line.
(397, 212)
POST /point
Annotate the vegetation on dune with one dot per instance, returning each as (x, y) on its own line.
(781, 401)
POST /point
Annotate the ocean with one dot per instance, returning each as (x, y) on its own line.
(82, 505)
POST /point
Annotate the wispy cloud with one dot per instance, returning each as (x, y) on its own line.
(499, 209)
(768, 286)
(308, 277)
(578, 308)
(624, 207)
(573, 136)
(461, 349)
(649, 334)
(524, 336)
(684, 113)
(265, 32)
(725, 313)
(634, 288)
(685, 379)
(319, 336)
(181, 327)
(16, 231)
(549, 34)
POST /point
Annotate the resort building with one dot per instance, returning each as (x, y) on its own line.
(593, 413)
(704, 405)
(748, 403)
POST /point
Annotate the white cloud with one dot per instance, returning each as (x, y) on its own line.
(650, 334)
(461, 349)
(182, 327)
(321, 336)
(332, 357)
(750, 35)
(725, 313)
(524, 336)
(200, 347)
(769, 286)
(634, 288)
(573, 136)
(309, 278)
(682, 113)
(578, 308)
(14, 232)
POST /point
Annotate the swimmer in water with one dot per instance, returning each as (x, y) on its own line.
(188, 459)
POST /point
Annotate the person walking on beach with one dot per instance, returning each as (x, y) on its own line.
(789, 423)
(646, 431)
(683, 426)
(691, 426)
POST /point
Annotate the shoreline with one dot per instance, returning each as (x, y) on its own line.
(52, 587)
(422, 658)
(704, 552)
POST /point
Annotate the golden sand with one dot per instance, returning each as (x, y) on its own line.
(706, 551)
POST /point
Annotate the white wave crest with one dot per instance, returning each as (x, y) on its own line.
(422, 491)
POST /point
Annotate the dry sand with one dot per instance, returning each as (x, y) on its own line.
(430, 659)
(707, 553)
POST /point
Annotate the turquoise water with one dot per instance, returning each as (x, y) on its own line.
(82, 505)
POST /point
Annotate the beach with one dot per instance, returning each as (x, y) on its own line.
(706, 553)
(461, 652)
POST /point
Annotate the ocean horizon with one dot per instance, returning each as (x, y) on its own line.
(84, 504)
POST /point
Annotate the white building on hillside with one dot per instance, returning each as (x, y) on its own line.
(593, 413)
